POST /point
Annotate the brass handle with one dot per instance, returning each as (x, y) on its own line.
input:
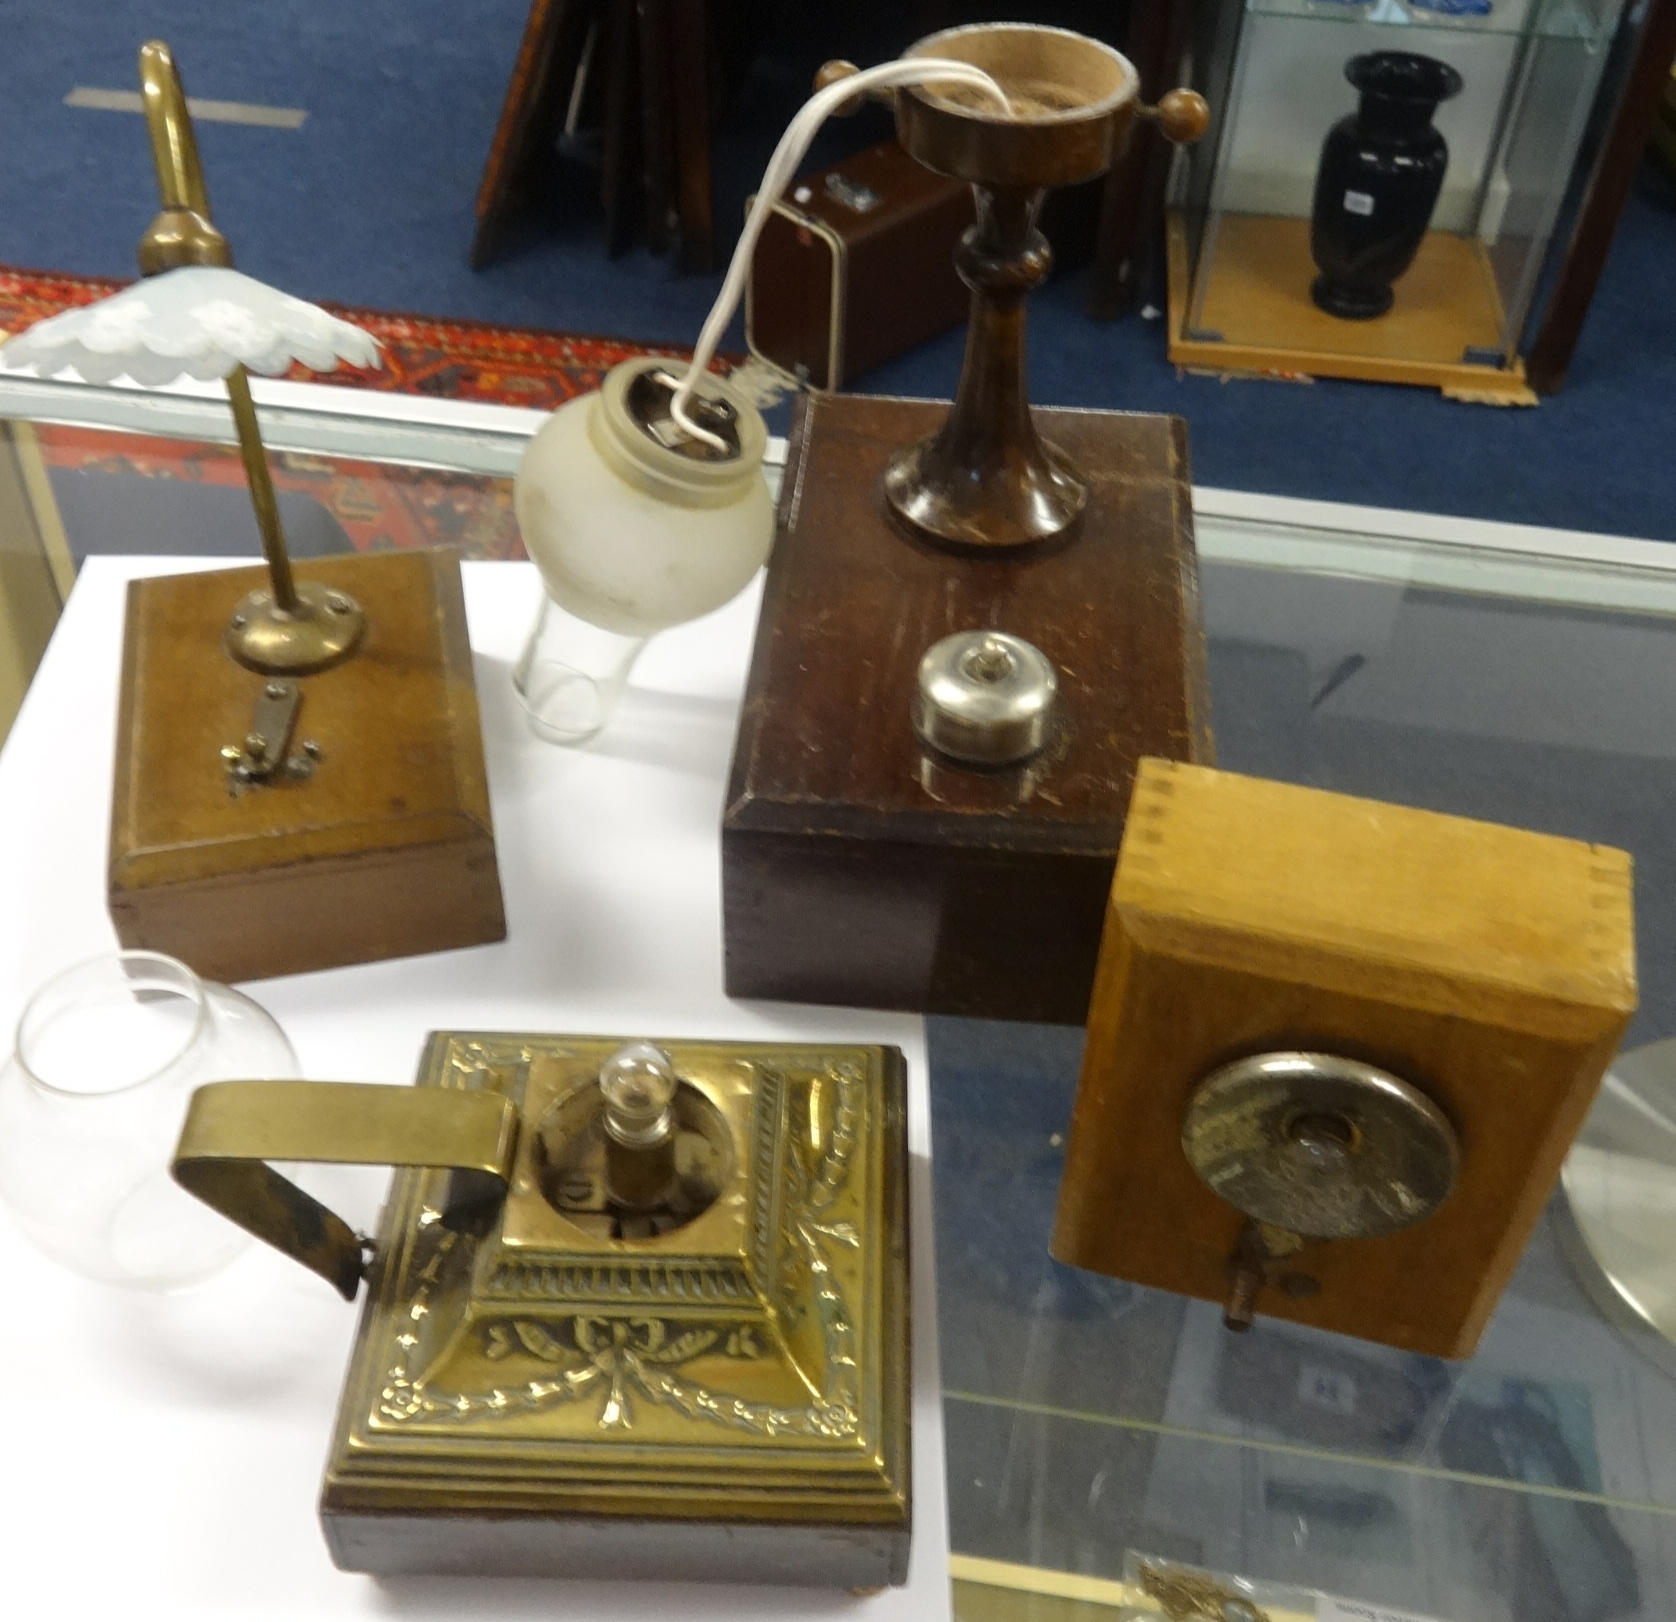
(234, 1127)
(1182, 116)
(182, 234)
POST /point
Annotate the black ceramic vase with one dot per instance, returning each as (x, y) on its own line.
(1381, 170)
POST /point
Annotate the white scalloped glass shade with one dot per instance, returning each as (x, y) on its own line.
(200, 321)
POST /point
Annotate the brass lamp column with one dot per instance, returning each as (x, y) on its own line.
(294, 628)
(278, 806)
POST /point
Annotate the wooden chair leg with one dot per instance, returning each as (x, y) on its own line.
(1620, 155)
(1132, 205)
(621, 181)
(689, 55)
(533, 109)
(657, 125)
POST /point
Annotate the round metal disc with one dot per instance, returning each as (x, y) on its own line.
(984, 697)
(1322, 1146)
(1620, 1185)
(324, 629)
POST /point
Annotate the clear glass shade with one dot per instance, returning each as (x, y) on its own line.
(571, 674)
(91, 1103)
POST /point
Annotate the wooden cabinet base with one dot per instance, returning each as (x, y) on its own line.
(860, 868)
(385, 849)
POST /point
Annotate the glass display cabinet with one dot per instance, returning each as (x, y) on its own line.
(1380, 186)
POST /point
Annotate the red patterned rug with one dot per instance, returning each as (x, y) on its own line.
(379, 506)
(455, 360)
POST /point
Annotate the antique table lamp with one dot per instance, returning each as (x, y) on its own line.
(1337, 1052)
(299, 776)
(977, 618)
(634, 1309)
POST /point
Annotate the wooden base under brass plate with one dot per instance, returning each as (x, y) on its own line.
(1258, 301)
(726, 1400)
(372, 837)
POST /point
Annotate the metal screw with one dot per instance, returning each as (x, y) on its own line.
(1244, 1282)
(989, 662)
(311, 748)
(255, 744)
(1325, 1138)
(232, 754)
(239, 622)
(276, 689)
(338, 605)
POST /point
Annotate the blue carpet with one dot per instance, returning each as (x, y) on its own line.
(370, 203)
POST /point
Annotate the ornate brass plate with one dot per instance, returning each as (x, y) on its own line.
(725, 1394)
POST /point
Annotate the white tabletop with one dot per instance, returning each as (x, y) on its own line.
(162, 1456)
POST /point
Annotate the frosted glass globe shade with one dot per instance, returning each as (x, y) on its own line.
(629, 533)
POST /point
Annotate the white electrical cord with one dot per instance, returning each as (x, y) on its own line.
(781, 168)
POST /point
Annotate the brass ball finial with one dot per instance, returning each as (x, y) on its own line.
(1183, 116)
(829, 73)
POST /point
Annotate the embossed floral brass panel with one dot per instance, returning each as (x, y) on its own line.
(728, 1398)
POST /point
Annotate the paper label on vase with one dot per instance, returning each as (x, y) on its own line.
(1358, 202)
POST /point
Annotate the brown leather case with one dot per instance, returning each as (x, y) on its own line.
(858, 868)
(385, 851)
(855, 266)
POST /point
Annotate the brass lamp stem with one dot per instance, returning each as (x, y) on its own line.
(261, 490)
(291, 630)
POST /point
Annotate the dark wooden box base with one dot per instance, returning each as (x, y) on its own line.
(859, 868)
(385, 851)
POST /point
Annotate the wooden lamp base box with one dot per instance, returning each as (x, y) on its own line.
(385, 850)
(860, 868)
(1490, 968)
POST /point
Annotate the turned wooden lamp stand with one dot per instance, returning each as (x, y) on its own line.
(972, 631)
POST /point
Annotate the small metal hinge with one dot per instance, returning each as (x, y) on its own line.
(264, 755)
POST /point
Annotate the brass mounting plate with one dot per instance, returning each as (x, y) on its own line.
(727, 1400)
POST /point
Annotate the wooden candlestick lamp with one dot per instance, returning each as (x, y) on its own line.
(916, 823)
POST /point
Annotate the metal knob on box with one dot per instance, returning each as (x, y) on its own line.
(984, 698)
(1314, 1146)
(634, 1307)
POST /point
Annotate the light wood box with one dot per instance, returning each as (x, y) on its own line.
(1490, 967)
(386, 850)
